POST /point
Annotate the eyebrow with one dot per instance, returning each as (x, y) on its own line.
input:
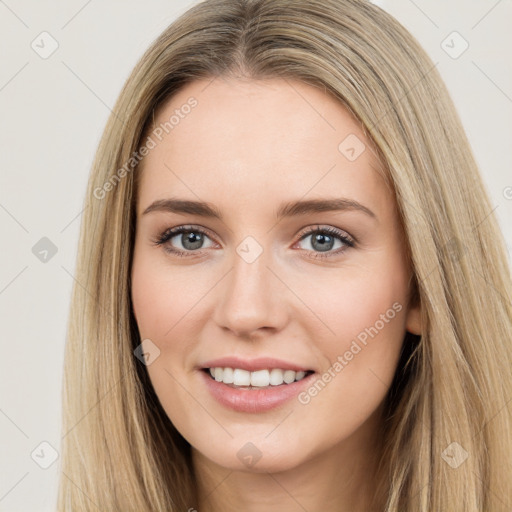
(291, 209)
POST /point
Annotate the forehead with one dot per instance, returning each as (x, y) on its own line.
(229, 141)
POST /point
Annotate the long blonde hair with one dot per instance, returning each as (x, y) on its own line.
(450, 402)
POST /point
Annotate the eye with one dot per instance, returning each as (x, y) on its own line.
(324, 240)
(189, 240)
(183, 239)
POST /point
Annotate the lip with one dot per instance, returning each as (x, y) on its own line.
(254, 400)
(252, 365)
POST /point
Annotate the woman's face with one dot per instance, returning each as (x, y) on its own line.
(291, 260)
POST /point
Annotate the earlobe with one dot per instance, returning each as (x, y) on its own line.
(413, 320)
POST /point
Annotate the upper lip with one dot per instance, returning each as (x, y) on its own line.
(252, 365)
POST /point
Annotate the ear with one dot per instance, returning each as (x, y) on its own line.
(413, 319)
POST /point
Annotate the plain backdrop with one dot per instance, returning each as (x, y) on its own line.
(52, 113)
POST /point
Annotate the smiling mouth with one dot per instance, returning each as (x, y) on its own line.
(261, 379)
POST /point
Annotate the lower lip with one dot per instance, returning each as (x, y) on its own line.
(254, 400)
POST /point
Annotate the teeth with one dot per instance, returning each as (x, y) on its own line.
(240, 377)
(228, 376)
(258, 379)
(276, 377)
(289, 376)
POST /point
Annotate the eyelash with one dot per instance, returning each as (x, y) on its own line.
(168, 234)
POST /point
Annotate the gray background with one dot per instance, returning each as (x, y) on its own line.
(52, 114)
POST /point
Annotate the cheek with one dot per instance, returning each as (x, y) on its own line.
(348, 302)
(362, 306)
(163, 297)
(365, 314)
(168, 307)
(163, 303)
(362, 313)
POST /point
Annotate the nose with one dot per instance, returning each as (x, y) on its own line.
(251, 301)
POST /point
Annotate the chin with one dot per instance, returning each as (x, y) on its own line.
(258, 456)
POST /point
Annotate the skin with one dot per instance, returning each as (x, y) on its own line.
(246, 148)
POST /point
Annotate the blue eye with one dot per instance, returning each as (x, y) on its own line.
(323, 240)
(190, 240)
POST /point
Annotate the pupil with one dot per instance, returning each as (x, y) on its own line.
(192, 240)
(325, 242)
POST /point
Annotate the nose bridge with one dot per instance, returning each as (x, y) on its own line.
(250, 296)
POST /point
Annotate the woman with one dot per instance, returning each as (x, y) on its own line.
(292, 292)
